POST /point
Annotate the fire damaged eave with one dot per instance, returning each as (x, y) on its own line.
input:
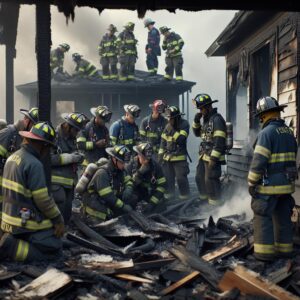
(241, 26)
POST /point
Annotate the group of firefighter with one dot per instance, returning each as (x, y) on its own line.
(122, 49)
(129, 166)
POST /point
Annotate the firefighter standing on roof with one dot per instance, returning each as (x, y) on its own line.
(94, 137)
(212, 149)
(64, 161)
(172, 44)
(125, 131)
(31, 221)
(173, 153)
(152, 47)
(108, 52)
(153, 125)
(57, 57)
(271, 180)
(127, 52)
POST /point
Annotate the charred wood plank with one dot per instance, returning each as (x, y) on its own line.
(130, 277)
(288, 74)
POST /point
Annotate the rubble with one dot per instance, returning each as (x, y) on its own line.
(182, 254)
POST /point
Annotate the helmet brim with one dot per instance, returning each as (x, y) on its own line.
(32, 136)
(152, 23)
(208, 103)
(25, 112)
(65, 117)
(93, 111)
(110, 152)
(278, 108)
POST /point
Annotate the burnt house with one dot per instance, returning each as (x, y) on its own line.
(262, 58)
(76, 94)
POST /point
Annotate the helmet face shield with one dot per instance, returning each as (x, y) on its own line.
(106, 118)
(159, 106)
(135, 114)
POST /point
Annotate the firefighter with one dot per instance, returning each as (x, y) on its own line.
(212, 131)
(109, 188)
(149, 182)
(108, 53)
(84, 68)
(172, 44)
(173, 153)
(31, 221)
(64, 161)
(127, 52)
(57, 57)
(125, 131)
(10, 141)
(152, 47)
(152, 126)
(271, 181)
(94, 137)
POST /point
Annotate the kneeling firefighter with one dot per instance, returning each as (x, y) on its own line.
(271, 180)
(110, 187)
(149, 183)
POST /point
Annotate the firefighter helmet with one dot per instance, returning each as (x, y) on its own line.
(159, 106)
(202, 100)
(133, 110)
(102, 111)
(75, 119)
(148, 22)
(145, 149)
(76, 56)
(112, 28)
(129, 26)
(120, 152)
(65, 46)
(164, 29)
(173, 112)
(42, 131)
(32, 114)
(266, 104)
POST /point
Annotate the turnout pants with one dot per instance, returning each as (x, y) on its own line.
(109, 67)
(208, 182)
(273, 229)
(174, 63)
(177, 170)
(63, 198)
(127, 67)
(152, 63)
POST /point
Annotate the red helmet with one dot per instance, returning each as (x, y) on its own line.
(159, 106)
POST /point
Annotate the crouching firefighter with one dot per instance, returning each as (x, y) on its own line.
(64, 161)
(31, 221)
(271, 180)
(212, 149)
(149, 183)
(173, 153)
(109, 187)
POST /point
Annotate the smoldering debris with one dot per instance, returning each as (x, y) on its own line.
(181, 253)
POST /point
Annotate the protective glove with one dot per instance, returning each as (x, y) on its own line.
(70, 158)
(101, 143)
(59, 229)
(252, 190)
(127, 208)
(197, 117)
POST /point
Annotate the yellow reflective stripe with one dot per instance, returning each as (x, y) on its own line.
(81, 69)
(152, 134)
(95, 213)
(119, 203)
(264, 248)
(3, 151)
(215, 153)
(128, 142)
(161, 189)
(105, 191)
(113, 138)
(142, 132)
(276, 189)
(167, 138)
(31, 225)
(16, 187)
(89, 145)
(215, 202)
(175, 158)
(219, 133)
(252, 176)
(205, 157)
(284, 248)
(81, 139)
(127, 178)
(62, 180)
(93, 72)
(203, 197)
(176, 135)
(183, 197)
(262, 151)
(161, 180)
(282, 157)
(196, 125)
(154, 200)
(40, 194)
(22, 250)
(161, 151)
(184, 133)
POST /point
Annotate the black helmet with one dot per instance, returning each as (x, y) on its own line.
(74, 119)
(76, 56)
(65, 46)
(130, 26)
(120, 152)
(32, 114)
(144, 149)
(173, 112)
(112, 28)
(133, 110)
(202, 100)
(164, 29)
(42, 131)
(268, 103)
(101, 111)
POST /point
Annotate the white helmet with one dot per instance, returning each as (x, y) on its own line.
(133, 110)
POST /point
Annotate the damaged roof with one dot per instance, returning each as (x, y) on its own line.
(243, 24)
